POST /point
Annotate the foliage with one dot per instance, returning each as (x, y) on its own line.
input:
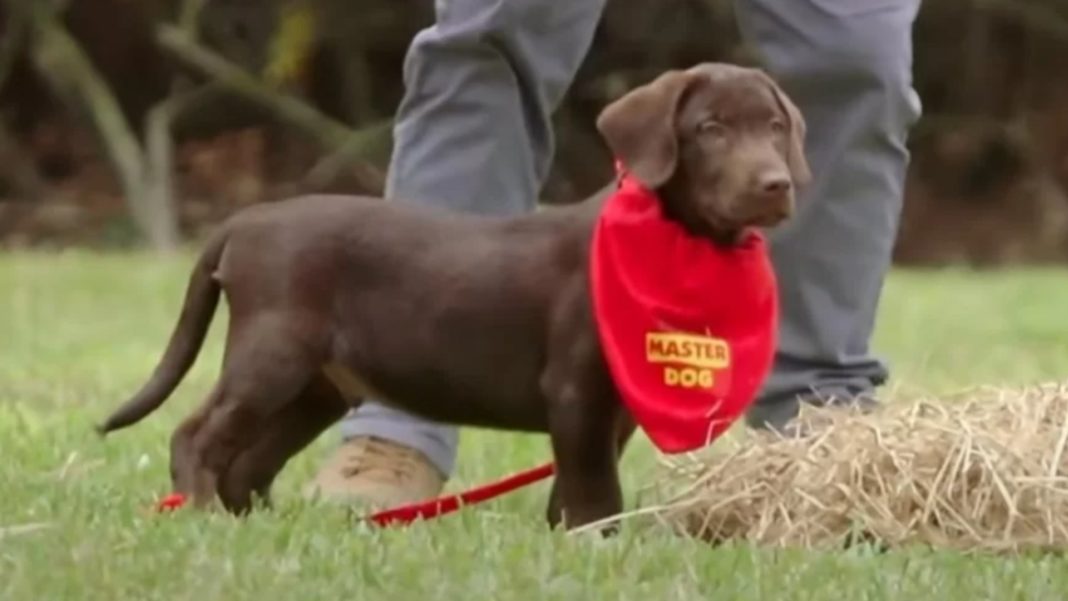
(990, 170)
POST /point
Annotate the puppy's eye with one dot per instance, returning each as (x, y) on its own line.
(778, 126)
(711, 127)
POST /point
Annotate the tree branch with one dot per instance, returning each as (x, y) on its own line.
(20, 171)
(159, 157)
(332, 135)
(143, 173)
(11, 41)
(1037, 17)
(59, 58)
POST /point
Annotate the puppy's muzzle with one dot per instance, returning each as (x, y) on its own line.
(771, 197)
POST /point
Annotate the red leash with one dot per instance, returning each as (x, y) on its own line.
(407, 514)
(425, 510)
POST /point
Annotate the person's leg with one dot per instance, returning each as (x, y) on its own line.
(473, 133)
(848, 66)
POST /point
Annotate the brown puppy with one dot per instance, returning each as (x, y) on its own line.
(464, 319)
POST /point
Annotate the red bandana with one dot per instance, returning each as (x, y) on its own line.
(688, 328)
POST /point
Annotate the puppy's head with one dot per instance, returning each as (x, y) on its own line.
(722, 144)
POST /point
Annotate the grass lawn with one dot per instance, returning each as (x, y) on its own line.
(79, 332)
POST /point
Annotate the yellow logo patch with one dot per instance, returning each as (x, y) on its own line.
(689, 360)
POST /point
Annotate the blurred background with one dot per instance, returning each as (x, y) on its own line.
(141, 123)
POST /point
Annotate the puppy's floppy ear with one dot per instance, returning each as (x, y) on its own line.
(639, 128)
(795, 150)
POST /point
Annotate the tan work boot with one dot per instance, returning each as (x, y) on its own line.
(367, 470)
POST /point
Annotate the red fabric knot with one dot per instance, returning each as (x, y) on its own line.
(171, 502)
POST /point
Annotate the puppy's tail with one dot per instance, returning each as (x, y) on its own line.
(201, 299)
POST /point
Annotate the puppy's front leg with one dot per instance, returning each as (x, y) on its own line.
(583, 433)
(585, 421)
(625, 430)
(584, 415)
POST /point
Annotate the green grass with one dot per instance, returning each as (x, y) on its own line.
(78, 332)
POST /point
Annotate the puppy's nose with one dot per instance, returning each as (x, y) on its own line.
(775, 183)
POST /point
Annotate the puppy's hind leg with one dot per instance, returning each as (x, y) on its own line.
(266, 368)
(284, 434)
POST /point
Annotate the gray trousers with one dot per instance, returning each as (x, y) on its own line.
(488, 74)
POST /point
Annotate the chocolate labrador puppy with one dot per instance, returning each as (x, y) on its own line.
(472, 320)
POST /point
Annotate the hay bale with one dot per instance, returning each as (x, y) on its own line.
(984, 472)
